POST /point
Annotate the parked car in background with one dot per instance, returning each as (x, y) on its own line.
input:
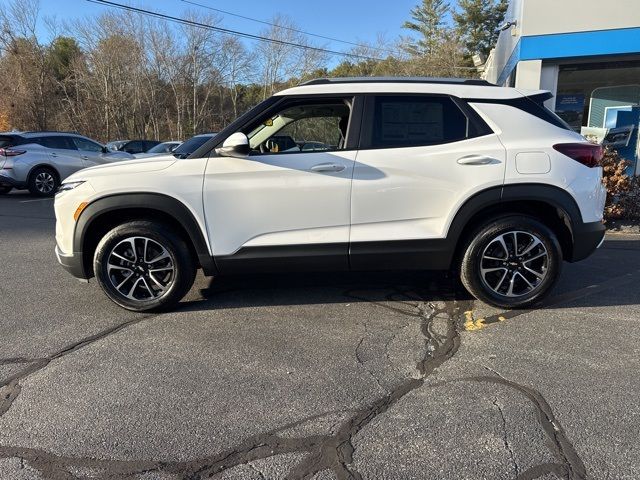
(187, 147)
(116, 145)
(160, 149)
(40, 161)
(138, 146)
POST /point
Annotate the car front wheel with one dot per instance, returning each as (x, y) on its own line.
(143, 266)
(511, 262)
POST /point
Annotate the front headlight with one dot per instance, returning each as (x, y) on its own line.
(69, 186)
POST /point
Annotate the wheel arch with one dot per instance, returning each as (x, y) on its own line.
(48, 166)
(553, 206)
(105, 213)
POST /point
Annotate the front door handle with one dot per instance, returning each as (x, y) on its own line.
(477, 160)
(85, 157)
(328, 167)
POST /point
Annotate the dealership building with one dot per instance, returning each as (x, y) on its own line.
(587, 53)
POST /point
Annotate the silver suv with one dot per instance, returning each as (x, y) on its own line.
(40, 161)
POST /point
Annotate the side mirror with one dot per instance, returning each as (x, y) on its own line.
(236, 145)
(105, 150)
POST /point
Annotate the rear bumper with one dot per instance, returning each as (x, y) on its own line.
(587, 237)
(4, 180)
(72, 263)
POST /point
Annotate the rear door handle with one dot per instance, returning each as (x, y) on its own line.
(328, 167)
(54, 154)
(85, 157)
(477, 160)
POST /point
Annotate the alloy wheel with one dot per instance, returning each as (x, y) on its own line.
(45, 182)
(514, 264)
(140, 269)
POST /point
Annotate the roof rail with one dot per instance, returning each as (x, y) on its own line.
(52, 131)
(454, 81)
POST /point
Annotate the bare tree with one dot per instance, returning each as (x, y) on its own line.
(281, 61)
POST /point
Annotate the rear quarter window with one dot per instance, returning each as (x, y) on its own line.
(7, 141)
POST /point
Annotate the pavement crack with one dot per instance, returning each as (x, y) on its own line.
(8, 394)
(332, 451)
(557, 439)
(11, 383)
(336, 453)
(505, 439)
(361, 362)
(18, 360)
(538, 471)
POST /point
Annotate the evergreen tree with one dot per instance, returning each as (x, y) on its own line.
(477, 23)
(429, 23)
(62, 53)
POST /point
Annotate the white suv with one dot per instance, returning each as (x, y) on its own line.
(348, 174)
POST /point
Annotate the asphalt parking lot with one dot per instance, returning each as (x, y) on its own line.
(377, 376)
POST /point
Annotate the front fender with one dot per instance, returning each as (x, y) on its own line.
(145, 201)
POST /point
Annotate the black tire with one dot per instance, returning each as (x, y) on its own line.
(5, 189)
(517, 280)
(43, 182)
(116, 245)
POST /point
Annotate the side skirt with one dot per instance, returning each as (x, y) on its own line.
(396, 255)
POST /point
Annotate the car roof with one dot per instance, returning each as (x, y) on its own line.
(460, 87)
(52, 133)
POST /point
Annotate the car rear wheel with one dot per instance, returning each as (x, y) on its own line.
(511, 262)
(5, 189)
(143, 266)
(43, 182)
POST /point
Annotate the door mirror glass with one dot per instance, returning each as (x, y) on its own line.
(236, 145)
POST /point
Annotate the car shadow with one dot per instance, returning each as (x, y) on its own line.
(608, 278)
(270, 290)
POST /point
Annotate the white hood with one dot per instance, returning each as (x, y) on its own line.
(125, 168)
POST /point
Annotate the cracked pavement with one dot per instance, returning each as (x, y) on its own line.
(348, 376)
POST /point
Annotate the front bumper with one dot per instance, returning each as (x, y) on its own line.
(72, 263)
(587, 237)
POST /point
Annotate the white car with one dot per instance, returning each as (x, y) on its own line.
(417, 174)
(160, 149)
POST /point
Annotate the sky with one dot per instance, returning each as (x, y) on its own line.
(350, 20)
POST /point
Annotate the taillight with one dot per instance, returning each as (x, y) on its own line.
(587, 154)
(9, 152)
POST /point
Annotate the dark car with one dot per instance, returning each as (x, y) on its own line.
(187, 147)
(138, 146)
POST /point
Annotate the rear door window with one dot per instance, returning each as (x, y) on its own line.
(409, 121)
(58, 142)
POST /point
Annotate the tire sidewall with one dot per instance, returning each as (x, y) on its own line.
(177, 250)
(471, 263)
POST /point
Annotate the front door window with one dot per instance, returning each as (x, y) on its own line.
(313, 127)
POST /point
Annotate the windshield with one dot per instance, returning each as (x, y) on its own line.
(161, 148)
(189, 146)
